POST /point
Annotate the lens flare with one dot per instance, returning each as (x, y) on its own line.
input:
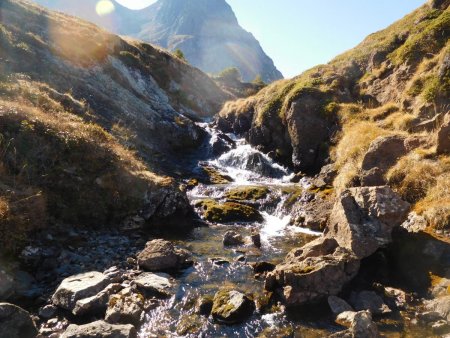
(104, 7)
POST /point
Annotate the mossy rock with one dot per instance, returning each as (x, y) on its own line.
(294, 194)
(228, 212)
(212, 176)
(247, 193)
(232, 307)
(189, 325)
(323, 192)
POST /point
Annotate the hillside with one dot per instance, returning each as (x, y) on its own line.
(395, 83)
(84, 115)
(207, 31)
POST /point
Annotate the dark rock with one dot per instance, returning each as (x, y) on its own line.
(256, 239)
(47, 311)
(261, 267)
(338, 305)
(443, 137)
(15, 322)
(369, 300)
(6, 285)
(232, 238)
(231, 307)
(161, 255)
(100, 329)
(204, 305)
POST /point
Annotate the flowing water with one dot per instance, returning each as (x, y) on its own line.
(217, 266)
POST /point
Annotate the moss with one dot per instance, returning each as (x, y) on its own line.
(213, 176)
(294, 194)
(324, 191)
(247, 193)
(227, 212)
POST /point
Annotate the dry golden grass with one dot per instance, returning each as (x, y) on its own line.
(400, 121)
(348, 154)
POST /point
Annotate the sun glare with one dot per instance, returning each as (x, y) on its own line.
(104, 7)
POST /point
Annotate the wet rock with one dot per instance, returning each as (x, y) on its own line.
(429, 316)
(338, 305)
(155, 284)
(125, 308)
(211, 175)
(247, 193)
(100, 329)
(79, 287)
(96, 304)
(15, 322)
(220, 261)
(204, 305)
(256, 239)
(360, 325)
(441, 327)
(161, 255)
(47, 311)
(231, 307)
(6, 285)
(221, 143)
(232, 238)
(369, 300)
(227, 212)
(189, 325)
(443, 137)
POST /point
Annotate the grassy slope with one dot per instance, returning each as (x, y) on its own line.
(414, 47)
(79, 108)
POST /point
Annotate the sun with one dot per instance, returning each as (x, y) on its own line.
(104, 7)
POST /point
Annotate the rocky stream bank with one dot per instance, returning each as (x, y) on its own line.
(277, 255)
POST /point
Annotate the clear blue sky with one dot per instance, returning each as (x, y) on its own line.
(299, 34)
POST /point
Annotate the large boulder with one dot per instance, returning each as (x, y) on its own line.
(161, 255)
(15, 322)
(312, 276)
(77, 287)
(231, 307)
(227, 212)
(384, 152)
(363, 218)
(443, 137)
(100, 329)
(361, 221)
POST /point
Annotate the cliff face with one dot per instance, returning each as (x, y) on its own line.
(207, 31)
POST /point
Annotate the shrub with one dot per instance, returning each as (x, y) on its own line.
(179, 54)
(231, 75)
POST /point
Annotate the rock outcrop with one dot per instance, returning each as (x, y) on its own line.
(361, 222)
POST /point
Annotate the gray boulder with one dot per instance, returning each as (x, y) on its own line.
(360, 325)
(441, 306)
(155, 284)
(96, 304)
(231, 307)
(78, 287)
(15, 322)
(161, 255)
(100, 329)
